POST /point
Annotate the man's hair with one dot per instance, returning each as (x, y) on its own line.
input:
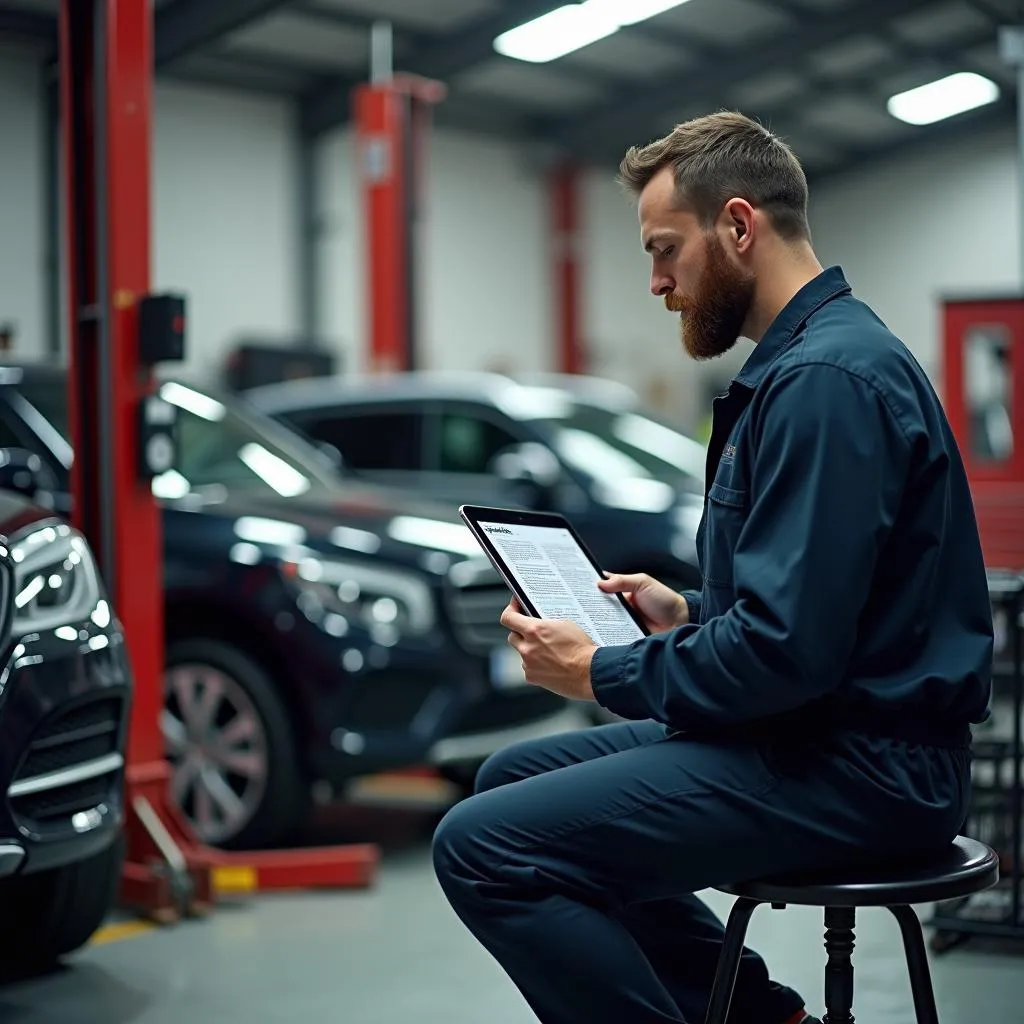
(721, 157)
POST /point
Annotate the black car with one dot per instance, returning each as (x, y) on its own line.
(633, 486)
(317, 630)
(65, 693)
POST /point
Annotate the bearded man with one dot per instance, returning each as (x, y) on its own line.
(811, 706)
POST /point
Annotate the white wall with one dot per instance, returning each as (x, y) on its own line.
(945, 220)
(484, 302)
(225, 215)
(224, 225)
(906, 231)
(486, 298)
(22, 237)
(226, 233)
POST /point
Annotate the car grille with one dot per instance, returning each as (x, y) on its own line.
(476, 599)
(72, 760)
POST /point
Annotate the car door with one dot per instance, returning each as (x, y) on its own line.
(381, 442)
(462, 440)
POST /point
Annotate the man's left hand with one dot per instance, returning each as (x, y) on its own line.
(556, 655)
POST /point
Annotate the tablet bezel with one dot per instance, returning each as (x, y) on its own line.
(472, 515)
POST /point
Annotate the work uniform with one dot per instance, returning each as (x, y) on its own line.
(815, 713)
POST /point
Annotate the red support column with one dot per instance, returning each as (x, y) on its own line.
(565, 203)
(106, 57)
(106, 70)
(391, 122)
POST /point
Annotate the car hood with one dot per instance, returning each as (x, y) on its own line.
(364, 519)
(17, 513)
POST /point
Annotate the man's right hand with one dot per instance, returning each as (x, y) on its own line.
(661, 608)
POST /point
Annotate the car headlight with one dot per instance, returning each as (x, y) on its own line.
(56, 581)
(335, 594)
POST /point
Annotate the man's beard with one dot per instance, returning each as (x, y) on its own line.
(713, 319)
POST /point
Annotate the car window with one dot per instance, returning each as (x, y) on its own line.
(468, 443)
(605, 443)
(369, 440)
(8, 436)
(220, 448)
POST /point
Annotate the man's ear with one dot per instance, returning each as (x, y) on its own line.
(739, 216)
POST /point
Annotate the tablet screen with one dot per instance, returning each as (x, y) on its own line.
(560, 580)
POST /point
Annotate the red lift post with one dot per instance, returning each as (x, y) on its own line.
(106, 60)
(392, 116)
(564, 202)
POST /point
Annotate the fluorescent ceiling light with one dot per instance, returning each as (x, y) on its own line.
(944, 98)
(574, 26)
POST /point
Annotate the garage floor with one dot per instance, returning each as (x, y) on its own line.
(395, 954)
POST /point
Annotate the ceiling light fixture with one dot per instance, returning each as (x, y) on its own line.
(946, 97)
(573, 26)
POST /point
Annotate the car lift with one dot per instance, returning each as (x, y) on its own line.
(122, 436)
(392, 115)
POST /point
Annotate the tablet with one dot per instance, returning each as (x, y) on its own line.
(552, 572)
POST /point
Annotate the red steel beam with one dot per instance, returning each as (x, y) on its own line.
(106, 82)
(391, 125)
(108, 224)
(564, 188)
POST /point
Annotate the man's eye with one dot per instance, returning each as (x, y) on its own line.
(668, 252)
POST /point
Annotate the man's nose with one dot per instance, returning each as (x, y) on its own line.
(661, 285)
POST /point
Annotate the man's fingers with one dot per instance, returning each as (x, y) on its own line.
(617, 583)
(514, 620)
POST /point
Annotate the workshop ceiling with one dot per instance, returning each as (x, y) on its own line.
(818, 72)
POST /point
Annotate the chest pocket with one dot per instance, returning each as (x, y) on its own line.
(726, 513)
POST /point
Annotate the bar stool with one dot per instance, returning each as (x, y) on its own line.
(966, 867)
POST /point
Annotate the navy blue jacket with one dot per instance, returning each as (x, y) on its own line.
(843, 573)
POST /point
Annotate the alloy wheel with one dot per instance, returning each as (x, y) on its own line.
(216, 743)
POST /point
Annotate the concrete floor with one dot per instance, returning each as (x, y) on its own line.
(395, 954)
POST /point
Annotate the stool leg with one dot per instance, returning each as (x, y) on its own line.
(729, 960)
(917, 964)
(839, 942)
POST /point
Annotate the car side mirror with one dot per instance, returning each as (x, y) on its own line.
(26, 474)
(530, 470)
(333, 456)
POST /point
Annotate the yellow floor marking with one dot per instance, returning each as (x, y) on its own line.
(121, 931)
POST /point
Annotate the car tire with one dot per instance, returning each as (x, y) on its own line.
(59, 910)
(283, 798)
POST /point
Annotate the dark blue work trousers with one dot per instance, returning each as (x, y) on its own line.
(576, 862)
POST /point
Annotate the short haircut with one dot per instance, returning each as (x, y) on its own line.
(724, 156)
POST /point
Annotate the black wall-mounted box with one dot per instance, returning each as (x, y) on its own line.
(161, 329)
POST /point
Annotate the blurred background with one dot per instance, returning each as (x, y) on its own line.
(258, 197)
(393, 273)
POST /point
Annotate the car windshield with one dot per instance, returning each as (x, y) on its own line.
(608, 444)
(221, 448)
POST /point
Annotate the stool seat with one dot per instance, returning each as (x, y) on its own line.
(963, 868)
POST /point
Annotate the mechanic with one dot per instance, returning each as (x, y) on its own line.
(811, 708)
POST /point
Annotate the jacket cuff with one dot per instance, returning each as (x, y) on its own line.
(611, 688)
(694, 600)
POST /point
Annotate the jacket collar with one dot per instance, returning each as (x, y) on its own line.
(828, 285)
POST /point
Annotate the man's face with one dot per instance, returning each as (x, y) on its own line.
(692, 271)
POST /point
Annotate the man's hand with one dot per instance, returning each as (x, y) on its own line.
(661, 608)
(556, 655)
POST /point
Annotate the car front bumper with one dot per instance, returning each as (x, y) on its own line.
(63, 724)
